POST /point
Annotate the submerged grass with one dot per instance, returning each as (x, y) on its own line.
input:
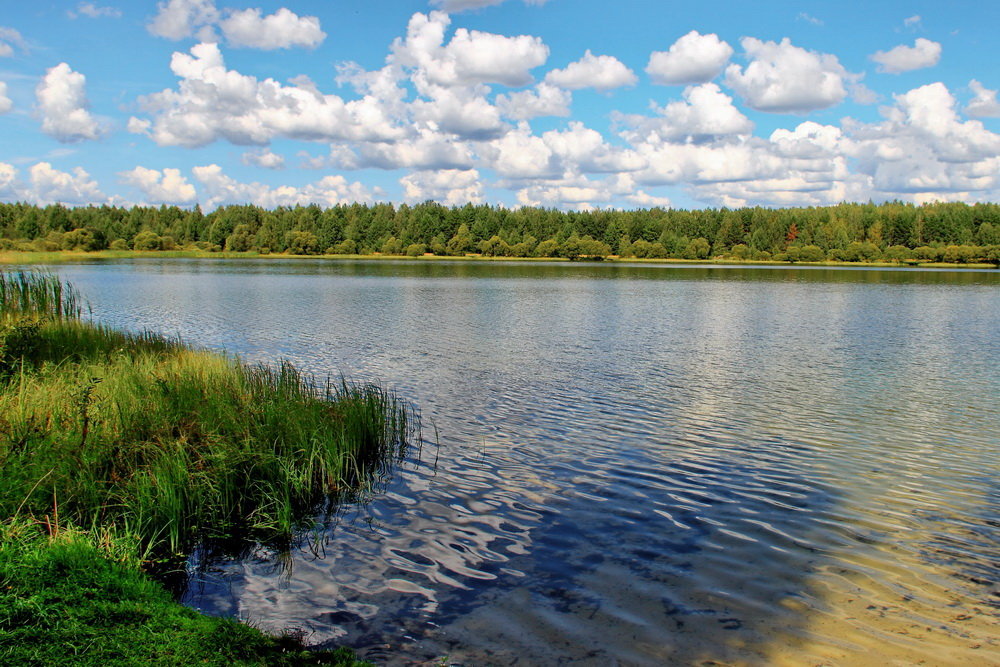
(110, 438)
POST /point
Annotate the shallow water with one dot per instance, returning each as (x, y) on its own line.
(628, 464)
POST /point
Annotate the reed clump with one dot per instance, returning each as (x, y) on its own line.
(135, 439)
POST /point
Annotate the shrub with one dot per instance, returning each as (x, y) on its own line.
(547, 248)
(146, 240)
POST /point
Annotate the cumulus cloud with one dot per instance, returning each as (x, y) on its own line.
(427, 149)
(470, 57)
(214, 103)
(705, 114)
(51, 186)
(784, 78)
(263, 158)
(5, 102)
(166, 187)
(582, 193)
(694, 58)
(451, 187)
(90, 10)
(9, 39)
(247, 28)
(921, 151)
(62, 104)
(581, 149)
(520, 154)
(179, 19)
(599, 72)
(983, 105)
(282, 30)
(923, 53)
(329, 191)
(544, 100)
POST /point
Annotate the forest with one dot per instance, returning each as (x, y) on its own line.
(853, 232)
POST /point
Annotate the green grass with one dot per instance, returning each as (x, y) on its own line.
(38, 294)
(136, 448)
(63, 601)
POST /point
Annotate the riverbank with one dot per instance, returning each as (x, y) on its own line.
(15, 257)
(120, 452)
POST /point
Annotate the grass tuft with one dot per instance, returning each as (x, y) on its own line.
(122, 450)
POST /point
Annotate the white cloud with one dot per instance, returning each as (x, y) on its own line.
(602, 73)
(179, 19)
(862, 94)
(214, 103)
(9, 187)
(544, 100)
(9, 39)
(51, 186)
(582, 149)
(263, 158)
(62, 103)
(428, 149)
(983, 105)
(694, 58)
(138, 126)
(809, 18)
(912, 21)
(705, 114)
(5, 102)
(471, 57)
(455, 6)
(329, 191)
(784, 78)
(90, 10)
(520, 154)
(281, 30)
(923, 53)
(460, 111)
(451, 187)
(581, 193)
(166, 187)
(556, 154)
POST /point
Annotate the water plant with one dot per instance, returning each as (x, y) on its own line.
(119, 438)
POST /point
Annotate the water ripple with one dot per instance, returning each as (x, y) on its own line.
(637, 465)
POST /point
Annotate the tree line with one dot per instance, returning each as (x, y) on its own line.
(953, 232)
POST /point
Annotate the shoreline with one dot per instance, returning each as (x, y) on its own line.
(18, 257)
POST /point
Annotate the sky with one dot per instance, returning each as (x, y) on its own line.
(572, 104)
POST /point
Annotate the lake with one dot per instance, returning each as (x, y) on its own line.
(627, 464)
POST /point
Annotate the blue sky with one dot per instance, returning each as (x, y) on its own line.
(561, 103)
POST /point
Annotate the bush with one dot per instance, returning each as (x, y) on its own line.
(697, 249)
(301, 243)
(547, 248)
(897, 253)
(740, 251)
(392, 246)
(119, 244)
(416, 250)
(146, 240)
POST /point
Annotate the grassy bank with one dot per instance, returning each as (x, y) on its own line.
(14, 257)
(121, 450)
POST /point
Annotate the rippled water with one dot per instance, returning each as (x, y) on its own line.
(633, 464)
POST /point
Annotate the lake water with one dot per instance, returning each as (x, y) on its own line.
(628, 464)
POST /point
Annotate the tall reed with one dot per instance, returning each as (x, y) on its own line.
(170, 444)
(37, 293)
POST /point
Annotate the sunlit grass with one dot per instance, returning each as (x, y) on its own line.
(137, 447)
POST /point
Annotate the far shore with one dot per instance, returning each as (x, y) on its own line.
(13, 257)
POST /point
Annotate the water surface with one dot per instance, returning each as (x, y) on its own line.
(633, 464)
